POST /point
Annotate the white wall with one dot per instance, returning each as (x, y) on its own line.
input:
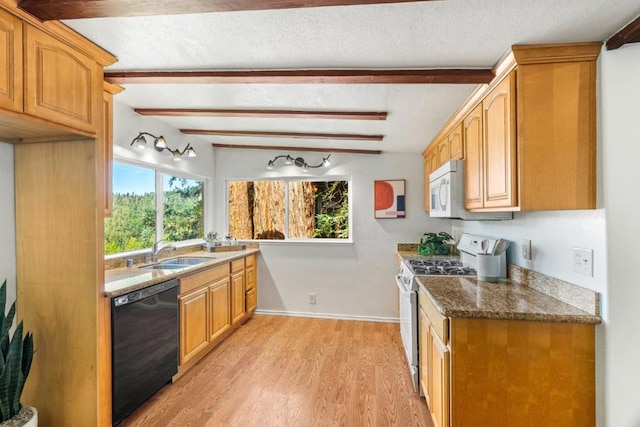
(7, 221)
(126, 126)
(351, 280)
(620, 97)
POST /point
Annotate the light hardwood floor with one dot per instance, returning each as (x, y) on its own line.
(284, 371)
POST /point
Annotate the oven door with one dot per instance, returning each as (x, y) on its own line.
(409, 327)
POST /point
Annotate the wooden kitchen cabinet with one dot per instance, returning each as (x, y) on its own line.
(194, 331)
(474, 155)
(61, 83)
(456, 144)
(443, 152)
(219, 303)
(499, 146)
(237, 293)
(251, 295)
(430, 165)
(534, 146)
(11, 56)
(488, 372)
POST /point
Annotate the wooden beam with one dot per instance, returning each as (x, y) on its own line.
(296, 114)
(629, 34)
(286, 148)
(47, 10)
(331, 76)
(259, 133)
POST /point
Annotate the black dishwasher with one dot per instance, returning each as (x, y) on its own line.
(144, 333)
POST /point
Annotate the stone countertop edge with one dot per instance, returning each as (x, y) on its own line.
(508, 299)
(120, 281)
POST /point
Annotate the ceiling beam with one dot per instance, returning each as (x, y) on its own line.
(295, 114)
(379, 76)
(251, 133)
(629, 34)
(285, 148)
(47, 10)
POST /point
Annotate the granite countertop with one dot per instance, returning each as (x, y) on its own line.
(119, 281)
(507, 300)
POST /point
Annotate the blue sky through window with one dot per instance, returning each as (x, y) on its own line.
(132, 179)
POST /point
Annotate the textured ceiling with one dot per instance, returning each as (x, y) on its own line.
(438, 34)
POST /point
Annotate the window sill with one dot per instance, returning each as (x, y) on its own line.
(301, 242)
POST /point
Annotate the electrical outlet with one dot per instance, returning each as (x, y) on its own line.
(312, 298)
(526, 249)
(583, 261)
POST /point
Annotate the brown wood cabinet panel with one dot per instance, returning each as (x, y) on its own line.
(443, 152)
(202, 278)
(194, 319)
(439, 366)
(500, 187)
(106, 142)
(423, 357)
(237, 297)
(61, 84)
(438, 322)
(430, 165)
(219, 303)
(250, 274)
(252, 300)
(11, 60)
(237, 265)
(456, 146)
(474, 164)
(522, 373)
(556, 135)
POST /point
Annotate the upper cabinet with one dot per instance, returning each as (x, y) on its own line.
(11, 56)
(106, 143)
(61, 83)
(528, 138)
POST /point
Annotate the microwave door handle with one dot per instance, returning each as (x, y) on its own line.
(442, 196)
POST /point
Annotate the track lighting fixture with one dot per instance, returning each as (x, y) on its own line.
(298, 161)
(160, 145)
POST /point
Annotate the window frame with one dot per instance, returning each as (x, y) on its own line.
(287, 180)
(159, 173)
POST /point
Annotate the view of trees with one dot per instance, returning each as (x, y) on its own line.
(133, 223)
(315, 209)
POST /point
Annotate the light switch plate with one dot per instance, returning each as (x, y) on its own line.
(583, 261)
(526, 249)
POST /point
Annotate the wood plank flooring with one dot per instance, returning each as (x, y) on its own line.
(284, 371)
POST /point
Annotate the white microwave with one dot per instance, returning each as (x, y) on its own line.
(446, 195)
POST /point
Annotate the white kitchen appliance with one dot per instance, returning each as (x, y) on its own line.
(446, 195)
(408, 296)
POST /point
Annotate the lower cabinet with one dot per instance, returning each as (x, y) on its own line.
(251, 296)
(212, 303)
(494, 372)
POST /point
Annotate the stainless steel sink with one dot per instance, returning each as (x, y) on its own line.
(175, 263)
(184, 261)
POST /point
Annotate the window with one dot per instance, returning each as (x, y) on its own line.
(288, 209)
(141, 217)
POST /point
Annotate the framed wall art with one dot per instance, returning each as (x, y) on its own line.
(389, 196)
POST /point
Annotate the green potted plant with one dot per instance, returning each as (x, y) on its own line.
(15, 363)
(210, 240)
(435, 244)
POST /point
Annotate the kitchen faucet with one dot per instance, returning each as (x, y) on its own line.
(156, 251)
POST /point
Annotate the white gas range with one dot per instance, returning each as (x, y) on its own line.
(469, 246)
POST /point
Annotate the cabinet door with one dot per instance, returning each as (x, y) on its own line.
(11, 65)
(252, 300)
(61, 84)
(438, 381)
(194, 332)
(237, 297)
(219, 303)
(423, 357)
(500, 146)
(443, 152)
(456, 147)
(250, 274)
(473, 165)
(430, 164)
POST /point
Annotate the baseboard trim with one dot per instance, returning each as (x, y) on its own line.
(329, 316)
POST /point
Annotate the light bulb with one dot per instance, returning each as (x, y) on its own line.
(305, 168)
(141, 143)
(326, 162)
(191, 152)
(177, 156)
(288, 160)
(160, 142)
(270, 165)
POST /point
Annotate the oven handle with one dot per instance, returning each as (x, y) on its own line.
(401, 285)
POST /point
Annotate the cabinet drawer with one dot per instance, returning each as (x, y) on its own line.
(438, 322)
(250, 260)
(237, 265)
(202, 278)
